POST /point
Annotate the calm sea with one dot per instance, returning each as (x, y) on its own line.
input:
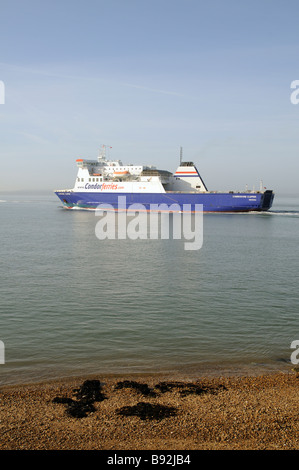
(72, 305)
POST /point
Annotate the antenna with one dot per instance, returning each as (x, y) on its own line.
(102, 153)
(261, 185)
(181, 154)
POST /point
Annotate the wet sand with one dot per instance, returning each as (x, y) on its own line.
(236, 413)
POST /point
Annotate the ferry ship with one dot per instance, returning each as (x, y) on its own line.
(107, 182)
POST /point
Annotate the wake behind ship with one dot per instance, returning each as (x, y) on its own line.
(108, 182)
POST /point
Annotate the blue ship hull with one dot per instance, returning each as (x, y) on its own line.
(211, 202)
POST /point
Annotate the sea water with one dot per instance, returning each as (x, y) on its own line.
(74, 305)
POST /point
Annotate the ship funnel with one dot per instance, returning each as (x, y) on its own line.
(188, 174)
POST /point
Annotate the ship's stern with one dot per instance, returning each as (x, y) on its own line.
(267, 200)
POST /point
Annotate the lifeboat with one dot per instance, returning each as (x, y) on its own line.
(121, 174)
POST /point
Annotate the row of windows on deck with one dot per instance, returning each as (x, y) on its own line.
(94, 180)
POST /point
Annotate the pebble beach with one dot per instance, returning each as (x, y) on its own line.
(153, 413)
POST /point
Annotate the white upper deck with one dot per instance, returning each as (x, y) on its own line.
(112, 176)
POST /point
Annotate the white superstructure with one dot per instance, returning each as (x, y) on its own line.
(111, 175)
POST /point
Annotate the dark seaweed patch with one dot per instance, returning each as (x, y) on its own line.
(192, 388)
(147, 411)
(89, 392)
(140, 387)
(168, 386)
(63, 400)
(79, 409)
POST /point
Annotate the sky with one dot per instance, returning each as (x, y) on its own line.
(146, 78)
